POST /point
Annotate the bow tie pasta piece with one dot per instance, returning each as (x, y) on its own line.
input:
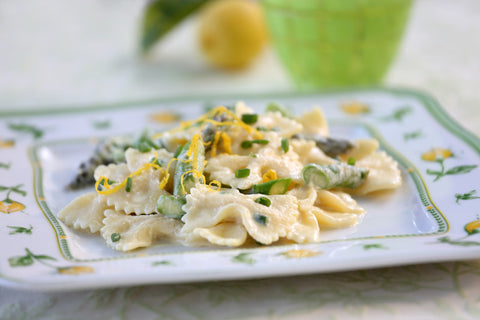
(361, 148)
(384, 173)
(314, 122)
(84, 213)
(124, 232)
(223, 168)
(331, 209)
(114, 172)
(265, 224)
(309, 153)
(279, 124)
(136, 159)
(141, 197)
(226, 233)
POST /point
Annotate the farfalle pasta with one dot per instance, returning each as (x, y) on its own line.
(232, 178)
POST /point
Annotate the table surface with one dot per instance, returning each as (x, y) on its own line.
(56, 54)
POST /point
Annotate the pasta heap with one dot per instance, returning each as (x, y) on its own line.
(233, 178)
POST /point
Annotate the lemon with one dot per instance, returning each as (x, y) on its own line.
(232, 33)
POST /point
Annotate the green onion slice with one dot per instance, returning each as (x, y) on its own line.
(128, 185)
(242, 173)
(115, 237)
(264, 200)
(249, 143)
(260, 218)
(250, 118)
(285, 145)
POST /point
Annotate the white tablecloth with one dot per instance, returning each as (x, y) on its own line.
(56, 53)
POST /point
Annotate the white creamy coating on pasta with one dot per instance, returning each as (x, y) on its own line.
(229, 213)
(142, 198)
(269, 157)
(85, 212)
(206, 209)
(136, 231)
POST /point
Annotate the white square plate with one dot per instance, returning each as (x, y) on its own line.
(433, 217)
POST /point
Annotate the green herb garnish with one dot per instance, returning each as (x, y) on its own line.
(242, 173)
(20, 230)
(260, 218)
(128, 185)
(466, 196)
(37, 133)
(351, 161)
(249, 143)
(115, 237)
(285, 145)
(264, 200)
(250, 118)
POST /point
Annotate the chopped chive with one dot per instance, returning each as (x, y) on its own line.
(260, 141)
(262, 128)
(177, 152)
(144, 147)
(249, 118)
(264, 200)
(246, 144)
(242, 173)
(252, 155)
(275, 107)
(102, 182)
(285, 145)
(260, 218)
(249, 143)
(351, 161)
(128, 186)
(115, 237)
(155, 161)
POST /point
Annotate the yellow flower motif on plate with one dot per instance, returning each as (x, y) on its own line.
(164, 117)
(436, 153)
(74, 270)
(6, 143)
(473, 227)
(355, 108)
(301, 253)
(10, 206)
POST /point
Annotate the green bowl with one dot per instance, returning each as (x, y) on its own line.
(334, 43)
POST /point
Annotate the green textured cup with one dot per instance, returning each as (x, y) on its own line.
(335, 43)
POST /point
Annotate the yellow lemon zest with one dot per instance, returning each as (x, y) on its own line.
(192, 153)
(269, 175)
(207, 118)
(213, 152)
(164, 181)
(182, 177)
(218, 184)
(108, 189)
(227, 142)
